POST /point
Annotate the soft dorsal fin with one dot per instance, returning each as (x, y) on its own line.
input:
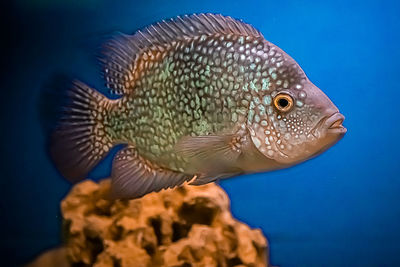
(121, 53)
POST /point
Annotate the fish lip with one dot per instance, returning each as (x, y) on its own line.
(334, 124)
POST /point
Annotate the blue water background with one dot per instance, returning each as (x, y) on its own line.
(339, 209)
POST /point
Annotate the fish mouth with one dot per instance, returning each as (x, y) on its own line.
(334, 124)
(331, 124)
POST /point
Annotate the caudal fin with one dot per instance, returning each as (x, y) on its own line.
(80, 141)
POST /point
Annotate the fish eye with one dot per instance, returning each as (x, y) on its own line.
(283, 102)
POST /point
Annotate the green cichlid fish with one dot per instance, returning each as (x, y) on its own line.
(202, 97)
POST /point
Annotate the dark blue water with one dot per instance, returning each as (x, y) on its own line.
(339, 209)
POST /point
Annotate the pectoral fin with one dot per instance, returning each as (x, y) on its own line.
(212, 157)
(209, 149)
(133, 176)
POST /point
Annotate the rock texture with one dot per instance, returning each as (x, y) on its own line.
(186, 226)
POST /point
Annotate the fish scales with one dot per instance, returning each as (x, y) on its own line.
(203, 97)
(204, 80)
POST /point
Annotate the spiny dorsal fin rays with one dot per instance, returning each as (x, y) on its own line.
(121, 53)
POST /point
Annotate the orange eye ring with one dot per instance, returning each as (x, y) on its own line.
(283, 102)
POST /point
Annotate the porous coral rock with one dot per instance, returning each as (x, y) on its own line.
(186, 226)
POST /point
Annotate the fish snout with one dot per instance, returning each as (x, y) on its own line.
(334, 124)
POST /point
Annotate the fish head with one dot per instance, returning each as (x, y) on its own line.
(299, 121)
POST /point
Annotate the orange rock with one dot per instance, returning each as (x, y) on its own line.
(186, 226)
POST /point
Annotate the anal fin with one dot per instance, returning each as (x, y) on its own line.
(134, 176)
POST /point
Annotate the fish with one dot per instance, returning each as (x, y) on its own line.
(198, 98)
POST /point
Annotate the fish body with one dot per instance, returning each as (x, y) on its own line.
(202, 97)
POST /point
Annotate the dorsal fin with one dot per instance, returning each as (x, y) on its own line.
(121, 53)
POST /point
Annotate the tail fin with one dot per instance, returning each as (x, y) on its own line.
(80, 141)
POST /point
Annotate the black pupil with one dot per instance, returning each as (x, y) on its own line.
(283, 102)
